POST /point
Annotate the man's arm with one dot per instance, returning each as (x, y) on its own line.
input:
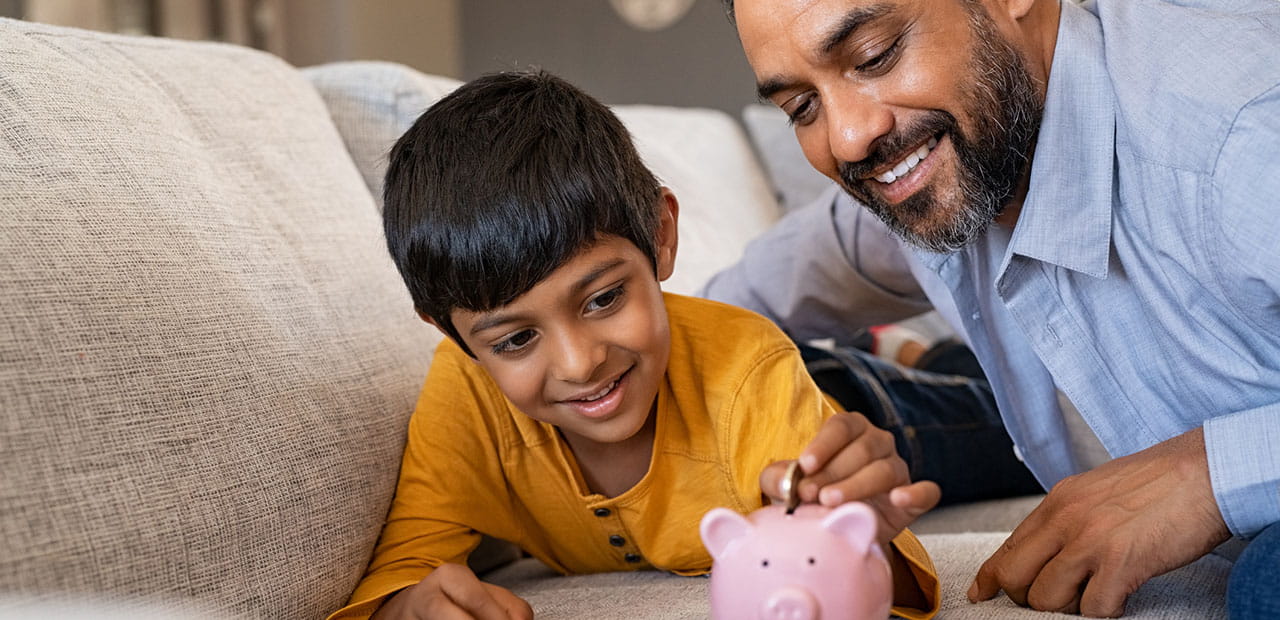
(826, 270)
(1100, 535)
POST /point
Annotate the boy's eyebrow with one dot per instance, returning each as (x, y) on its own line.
(497, 319)
(845, 29)
(599, 270)
(491, 321)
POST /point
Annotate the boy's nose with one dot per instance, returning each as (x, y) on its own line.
(578, 357)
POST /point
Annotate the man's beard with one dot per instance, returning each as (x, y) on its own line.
(989, 163)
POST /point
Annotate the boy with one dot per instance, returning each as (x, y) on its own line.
(575, 409)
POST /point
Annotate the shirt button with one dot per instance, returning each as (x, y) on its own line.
(617, 540)
(602, 512)
(977, 315)
(631, 557)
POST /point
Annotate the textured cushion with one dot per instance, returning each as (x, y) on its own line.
(206, 357)
(1194, 592)
(702, 155)
(372, 104)
(795, 181)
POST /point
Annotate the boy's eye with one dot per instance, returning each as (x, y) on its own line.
(605, 300)
(514, 342)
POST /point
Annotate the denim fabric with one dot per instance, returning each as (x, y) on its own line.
(1253, 591)
(946, 426)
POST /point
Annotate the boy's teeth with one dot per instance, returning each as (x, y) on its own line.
(908, 163)
(601, 393)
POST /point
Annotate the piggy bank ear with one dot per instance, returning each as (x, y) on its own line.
(855, 522)
(720, 527)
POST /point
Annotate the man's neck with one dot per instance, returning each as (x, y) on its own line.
(1039, 30)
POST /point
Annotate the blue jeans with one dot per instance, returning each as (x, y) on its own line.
(1253, 590)
(945, 424)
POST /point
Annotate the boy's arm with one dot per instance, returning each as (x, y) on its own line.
(451, 486)
(777, 413)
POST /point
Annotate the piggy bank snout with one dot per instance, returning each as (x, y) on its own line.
(789, 603)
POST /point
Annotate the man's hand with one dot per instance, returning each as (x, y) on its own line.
(451, 592)
(851, 459)
(1100, 535)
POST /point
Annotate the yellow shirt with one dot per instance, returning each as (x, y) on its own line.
(735, 398)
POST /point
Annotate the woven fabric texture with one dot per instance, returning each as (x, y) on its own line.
(372, 104)
(206, 357)
(1195, 592)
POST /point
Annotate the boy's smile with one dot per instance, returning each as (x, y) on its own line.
(587, 347)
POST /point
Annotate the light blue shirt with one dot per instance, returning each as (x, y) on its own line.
(1142, 279)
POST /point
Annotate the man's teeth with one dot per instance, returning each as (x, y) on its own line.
(909, 163)
(601, 393)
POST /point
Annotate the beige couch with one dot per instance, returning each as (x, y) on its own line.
(207, 359)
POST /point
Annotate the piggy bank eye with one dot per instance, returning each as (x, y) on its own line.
(812, 561)
(764, 563)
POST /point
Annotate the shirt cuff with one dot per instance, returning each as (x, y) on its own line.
(925, 574)
(1244, 467)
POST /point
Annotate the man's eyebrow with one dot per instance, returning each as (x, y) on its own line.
(844, 29)
(853, 20)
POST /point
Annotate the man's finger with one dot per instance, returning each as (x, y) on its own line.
(1014, 567)
(1060, 583)
(1105, 594)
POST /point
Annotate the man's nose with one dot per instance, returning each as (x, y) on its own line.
(578, 355)
(855, 125)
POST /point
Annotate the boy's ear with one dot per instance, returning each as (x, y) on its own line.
(668, 215)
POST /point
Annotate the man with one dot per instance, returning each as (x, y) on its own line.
(1091, 195)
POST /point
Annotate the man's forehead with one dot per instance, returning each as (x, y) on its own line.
(774, 33)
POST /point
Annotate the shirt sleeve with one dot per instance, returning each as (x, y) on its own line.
(826, 270)
(1244, 464)
(776, 412)
(451, 486)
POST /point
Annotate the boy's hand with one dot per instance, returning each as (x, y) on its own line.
(453, 591)
(851, 459)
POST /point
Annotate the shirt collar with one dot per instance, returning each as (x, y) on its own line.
(1066, 218)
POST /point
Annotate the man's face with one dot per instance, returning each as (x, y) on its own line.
(921, 109)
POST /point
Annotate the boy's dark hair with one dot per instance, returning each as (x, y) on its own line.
(501, 182)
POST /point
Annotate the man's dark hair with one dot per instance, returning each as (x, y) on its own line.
(503, 181)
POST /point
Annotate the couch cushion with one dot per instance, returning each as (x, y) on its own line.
(206, 357)
(703, 155)
(372, 104)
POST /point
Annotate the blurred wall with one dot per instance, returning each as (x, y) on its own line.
(423, 34)
(695, 62)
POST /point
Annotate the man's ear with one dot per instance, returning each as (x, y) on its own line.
(668, 215)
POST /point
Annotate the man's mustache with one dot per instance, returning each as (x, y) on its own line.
(894, 146)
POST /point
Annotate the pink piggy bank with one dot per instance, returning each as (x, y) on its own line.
(817, 563)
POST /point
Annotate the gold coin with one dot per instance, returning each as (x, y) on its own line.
(791, 486)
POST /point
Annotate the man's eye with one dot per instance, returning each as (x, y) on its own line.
(604, 300)
(801, 110)
(883, 60)
(513, 343)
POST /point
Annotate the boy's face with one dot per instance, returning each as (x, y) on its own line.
(586, 348)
